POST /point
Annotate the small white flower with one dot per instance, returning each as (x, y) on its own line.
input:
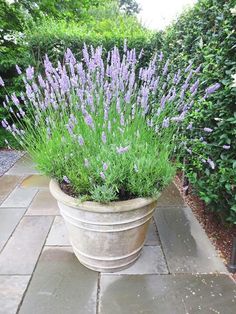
(233, 11)
(234, 81)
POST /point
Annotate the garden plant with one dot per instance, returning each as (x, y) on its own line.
(103, 129)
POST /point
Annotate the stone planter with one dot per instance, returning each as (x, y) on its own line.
(105, 237)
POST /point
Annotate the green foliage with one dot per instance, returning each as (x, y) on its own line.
(4, 135)
(206, 35)
(53, 37)
(89, 129)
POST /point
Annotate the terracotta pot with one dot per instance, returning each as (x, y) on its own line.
(105, 237)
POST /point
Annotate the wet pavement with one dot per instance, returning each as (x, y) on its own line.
(178, 271)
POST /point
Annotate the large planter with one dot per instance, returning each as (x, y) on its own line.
(105, 237)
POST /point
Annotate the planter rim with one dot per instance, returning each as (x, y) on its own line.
(112, 207)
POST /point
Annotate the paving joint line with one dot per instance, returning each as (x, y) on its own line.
(98, 293)
(32, 274)
(165, 258)
(14, 228)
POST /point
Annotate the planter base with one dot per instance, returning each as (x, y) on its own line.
(105, 237)
(109, 269)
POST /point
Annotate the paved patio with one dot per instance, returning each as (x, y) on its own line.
(178, 272)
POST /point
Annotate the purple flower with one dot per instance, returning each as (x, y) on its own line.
(41, 82)
(122, 120)
(211, 89)
(104, 138)
(65, 179)
(194, 87)
(118, 105)
(102, 175)
(190, 126)
(188, 67)
(208, 130)
(198, 69)
(165, 69)
(30, 73)
(165, 123)
(4, 124)
(80, 140)
(160, 56)
(211, 163)
(105, 166)
(89, 120)
(109, 126)
(18, 70)
(1, 82)
(226, 147)
(15, 99)
(121, 150)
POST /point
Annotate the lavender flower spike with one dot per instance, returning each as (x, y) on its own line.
(1, 82)
(30, 73)
(104, 138)
(121, 150)
(165, 123)
(105, 166)
(211, 163)
(208, 130)
(89, 120)
(80, 140)
(102, 175)
(66, 179)
(18, 70)
(211, 89)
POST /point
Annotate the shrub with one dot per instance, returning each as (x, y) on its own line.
(97, 126)
(206, 35)
(53, 37)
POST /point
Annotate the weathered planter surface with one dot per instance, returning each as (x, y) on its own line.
(105, 237)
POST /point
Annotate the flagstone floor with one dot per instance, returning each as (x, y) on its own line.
(178, 272)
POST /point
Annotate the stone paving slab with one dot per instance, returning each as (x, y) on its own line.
(58, 234)
(185, 244)
(11, 292)
(7, 184)
(20, 197)
(24, 166)
(61, 285)
(36, 181)
(170, 197)
(21, 253)
(151, 261)
(9, 218)
(43, 204)
(167, 294)
(152, 235)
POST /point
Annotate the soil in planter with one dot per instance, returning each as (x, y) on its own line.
(122, 195)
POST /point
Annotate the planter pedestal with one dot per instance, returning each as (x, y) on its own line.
(105, 237)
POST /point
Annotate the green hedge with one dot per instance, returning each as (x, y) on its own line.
(206, 35)
(53, 37)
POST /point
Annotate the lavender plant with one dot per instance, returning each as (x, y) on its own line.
(104, 129)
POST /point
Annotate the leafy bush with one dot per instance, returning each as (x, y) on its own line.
(53, 37)
(97, 126)
(206, 35)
